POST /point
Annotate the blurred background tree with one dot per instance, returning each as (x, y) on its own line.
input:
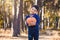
(9, 11)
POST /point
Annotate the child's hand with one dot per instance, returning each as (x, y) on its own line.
(32, 23)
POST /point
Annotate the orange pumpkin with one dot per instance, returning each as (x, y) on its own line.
(31, 21)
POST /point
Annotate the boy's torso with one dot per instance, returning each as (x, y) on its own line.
(35, 16)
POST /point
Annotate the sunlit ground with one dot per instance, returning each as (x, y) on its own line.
(7, 35)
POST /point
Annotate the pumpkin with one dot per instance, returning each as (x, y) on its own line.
(31, 21)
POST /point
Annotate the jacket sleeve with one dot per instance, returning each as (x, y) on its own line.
(38, 19)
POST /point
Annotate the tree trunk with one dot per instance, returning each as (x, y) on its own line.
(15, 19)
(20, 16)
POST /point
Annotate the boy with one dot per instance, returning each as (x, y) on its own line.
(33, 31)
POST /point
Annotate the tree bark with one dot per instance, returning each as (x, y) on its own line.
(20, 16)
(15, 19)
